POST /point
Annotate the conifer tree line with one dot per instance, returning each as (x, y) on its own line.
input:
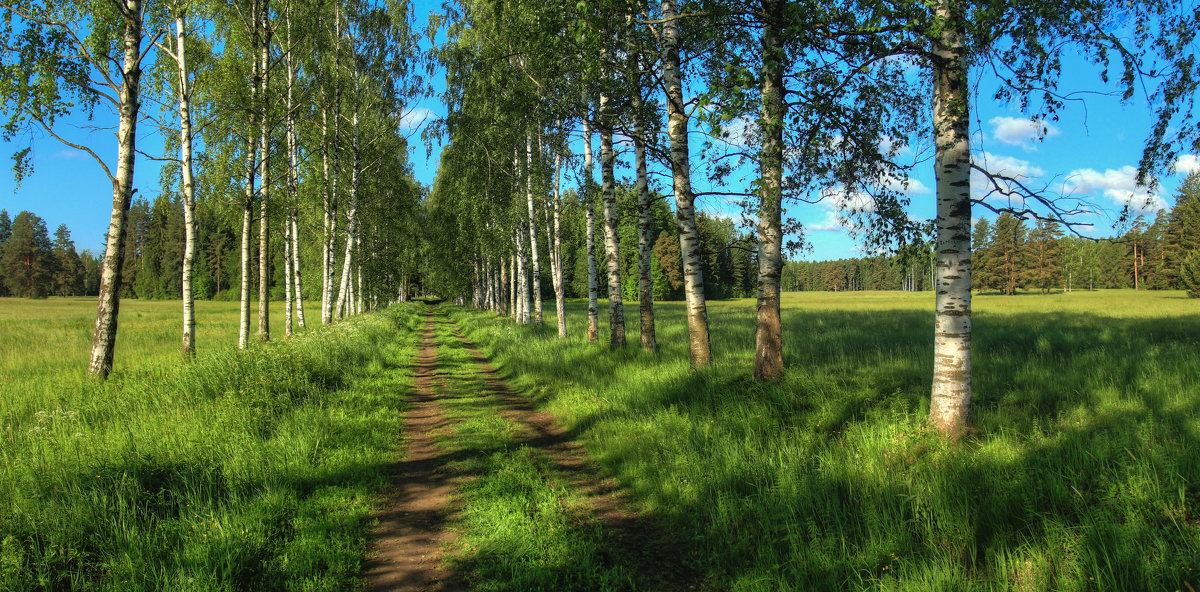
(286, 170)
(1011, 253)
(32, 265)
(817, 99)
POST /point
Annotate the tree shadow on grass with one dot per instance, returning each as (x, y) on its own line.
(1084, 462)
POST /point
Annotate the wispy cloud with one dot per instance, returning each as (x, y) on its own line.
(1022, 132)
(1119, 185)
(416, 118)
(1187, 164)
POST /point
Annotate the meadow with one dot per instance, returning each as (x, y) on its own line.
(1082, 471)
(259, 469)
(252, 470)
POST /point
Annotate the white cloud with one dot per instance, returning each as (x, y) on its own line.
(1186, 164)
(71, 154)
(912, 187)
(1008, 166)
(1022, 132)
(415, 118)
(1119, 185)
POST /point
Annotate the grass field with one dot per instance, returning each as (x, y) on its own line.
(248, 470)
(1082, 473)
(257, 470)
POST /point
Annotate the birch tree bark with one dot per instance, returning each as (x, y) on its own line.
(189, 188)
(351, 220)
(264, 183)
(535, 265)
(699, 346)
(589, 208)
(247, 229)
(768, 335)
(951, 397)
(612, 250)
(645, 241)
(104, 337)
(560, 303)
(293, 221)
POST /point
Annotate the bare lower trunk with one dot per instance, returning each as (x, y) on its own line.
(247, 229)
(522, 275)
(189, 191)
(351, 226)
(768, 334)
(104, 338)
(699, 346)
(951, 398)
(535, 265)
(293, 179)
(589, 207)
(612, 247)
(264, 184)
(645, 283)
(512, 287)
(287, 276)
(560, 303)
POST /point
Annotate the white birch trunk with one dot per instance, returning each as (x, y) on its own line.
(351, 222)
(555, 239)
(645, 241)
(189, 190)
(699, 345)
(293, 179)
(264, 183)
(612, 247)
(104, 337)
(768, 334)
(536, 271)
(951, 396)
(589, 208)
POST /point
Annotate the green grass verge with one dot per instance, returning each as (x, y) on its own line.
(1083, 474)
(522, 527)
(250, 470)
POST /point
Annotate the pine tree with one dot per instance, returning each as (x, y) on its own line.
(1191, 274)
(5, 232)
(28, 260)
(1042, 254)
(68, 268)
(981, 240)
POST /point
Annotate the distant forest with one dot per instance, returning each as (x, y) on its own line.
(1008, 254)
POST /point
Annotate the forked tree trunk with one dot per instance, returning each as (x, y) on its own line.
(189, 190)
(535, 265)
(589, 208)
(699, 346)
(264, 184)
(951, 397)
(768, 334)
(104, 338)
(351, 223)
(612, 247)
(645, 241)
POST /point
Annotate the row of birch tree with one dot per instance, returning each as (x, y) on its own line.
(818, 99)
(284, 118)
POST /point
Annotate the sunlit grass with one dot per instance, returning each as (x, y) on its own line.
(242, 470)
(1082, 473)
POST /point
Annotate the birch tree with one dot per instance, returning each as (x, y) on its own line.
(64, 58)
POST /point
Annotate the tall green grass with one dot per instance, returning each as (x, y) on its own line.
(1082, 473)
(242, 470)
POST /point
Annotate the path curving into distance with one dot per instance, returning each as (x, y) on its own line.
(454, 448)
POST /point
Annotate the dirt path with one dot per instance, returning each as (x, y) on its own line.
(412, 530)
(640, 543)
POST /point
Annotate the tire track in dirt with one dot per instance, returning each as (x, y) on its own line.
(412, 531)
(639, 542)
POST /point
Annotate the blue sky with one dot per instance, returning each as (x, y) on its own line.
(1090, 152)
